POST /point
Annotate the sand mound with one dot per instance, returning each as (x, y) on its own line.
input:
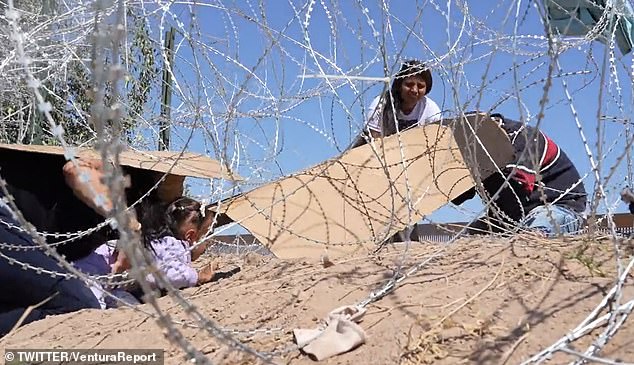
(486, 301)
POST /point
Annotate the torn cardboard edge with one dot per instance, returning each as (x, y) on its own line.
(175, 166)
(185, 164)
(369, 193)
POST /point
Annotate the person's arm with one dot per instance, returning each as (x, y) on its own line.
(178, 273)
(372, 127)
(431, 113)
(172, 260)
(121, 263)
(206, 274)
(374, 122)
(214, 219)
(534, 152)
(199, 250)
(183, 275)
(84, 177)
(211, 221)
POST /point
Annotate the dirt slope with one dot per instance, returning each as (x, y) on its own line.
(486, 301)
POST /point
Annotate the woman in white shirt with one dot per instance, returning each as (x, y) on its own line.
(408, 97)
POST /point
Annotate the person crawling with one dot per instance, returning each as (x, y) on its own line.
(540, 190)
(59, 197)
(56, 199)
(170, 240)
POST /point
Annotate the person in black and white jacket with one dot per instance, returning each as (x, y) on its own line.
(544, 191)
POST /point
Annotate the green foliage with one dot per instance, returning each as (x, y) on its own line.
(68, 90)
(143, 70)
(71, 104)
(585, 256)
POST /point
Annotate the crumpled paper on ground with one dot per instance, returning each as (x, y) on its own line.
(340, 334)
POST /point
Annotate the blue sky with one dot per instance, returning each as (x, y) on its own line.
(248, 59)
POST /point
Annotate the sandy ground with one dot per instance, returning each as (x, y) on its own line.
(482, 301)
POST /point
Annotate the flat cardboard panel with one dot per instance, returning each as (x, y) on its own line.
(174, 163)
(472, 135)
(348, 204)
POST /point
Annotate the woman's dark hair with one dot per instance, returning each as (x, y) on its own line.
(151, 215)
(408, 68)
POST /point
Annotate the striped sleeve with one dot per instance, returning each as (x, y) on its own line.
(547, 152)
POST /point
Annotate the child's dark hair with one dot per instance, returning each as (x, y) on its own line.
(182, 210)
(159, 220)
(408, 68)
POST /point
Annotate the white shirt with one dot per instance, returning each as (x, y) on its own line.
(425, 111)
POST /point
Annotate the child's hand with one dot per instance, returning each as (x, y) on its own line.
(121, 264)
(206, 273)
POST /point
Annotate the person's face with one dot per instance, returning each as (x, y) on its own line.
(190, 232)
(413, 89)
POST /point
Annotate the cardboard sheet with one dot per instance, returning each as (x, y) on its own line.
(173, 163)
(366, 195)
